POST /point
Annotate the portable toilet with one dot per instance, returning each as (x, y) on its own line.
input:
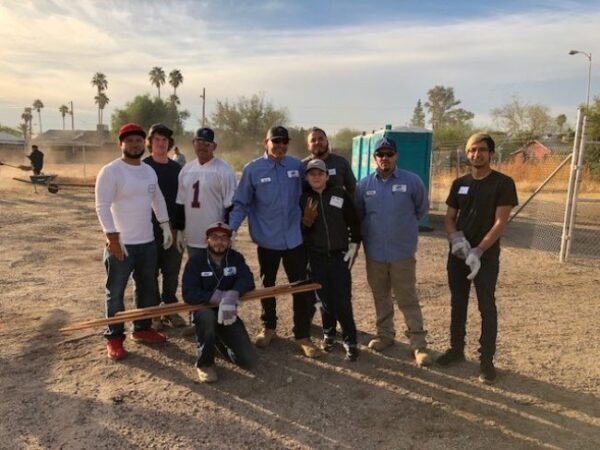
(414, 153)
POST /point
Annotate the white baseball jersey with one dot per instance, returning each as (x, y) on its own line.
(205, 190)
(125, 197)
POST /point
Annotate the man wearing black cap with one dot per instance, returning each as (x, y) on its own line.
(339, 170)
(218, 276)
(269, 195)
(37, 160)
(206, 187)
(127, 192)
(159, 142)
(390, 203)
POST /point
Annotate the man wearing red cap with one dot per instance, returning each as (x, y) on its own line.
(126, 194)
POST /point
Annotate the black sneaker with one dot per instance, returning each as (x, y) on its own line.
(450, 356)
(351, 352)
(328, 344)
(487, 372)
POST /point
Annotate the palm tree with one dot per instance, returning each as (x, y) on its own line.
(101, 100)
(38, 105)
(99, 80)
(27, 117)
(157, 77)
(175, 79)
(63, 110)
(174, 99)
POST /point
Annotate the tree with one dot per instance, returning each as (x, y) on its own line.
(592, 153)
(157, 77)
(560, 120)
(523, 120)
(440, 102)
(64, 110)
(247, 120)
(147, 111)
(418, 118)
(100, 82)
(38, 105)
(27, 117)
(101, 100)
(341, 142)
(175, 79)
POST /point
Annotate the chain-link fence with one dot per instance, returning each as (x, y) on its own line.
(539, 224)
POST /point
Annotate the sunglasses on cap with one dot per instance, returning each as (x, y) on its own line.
(383, 154)
(280, 141)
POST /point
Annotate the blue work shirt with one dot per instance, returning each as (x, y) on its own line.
(269, 195)
(390, 211)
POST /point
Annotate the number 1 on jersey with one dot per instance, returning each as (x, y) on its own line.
(196, 188)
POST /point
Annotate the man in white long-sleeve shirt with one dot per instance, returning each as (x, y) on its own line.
(126, 193)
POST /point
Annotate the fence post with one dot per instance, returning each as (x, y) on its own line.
(578, 170)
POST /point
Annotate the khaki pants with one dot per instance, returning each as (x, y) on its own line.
(399, 278)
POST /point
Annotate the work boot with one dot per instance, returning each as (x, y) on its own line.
(309, 349)
(207, 374)
(487, 371)
(175, 320)
(149, 335)
(380, 343)
(114, 348)
(351, 352)
(328, 344)
(264, 338)
(422, 357)
(450, 356)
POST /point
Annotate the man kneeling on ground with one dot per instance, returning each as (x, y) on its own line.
(217, 276)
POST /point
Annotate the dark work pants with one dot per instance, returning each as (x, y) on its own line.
(485, 287)
(294, 264)
(168, 265)
(333, 274)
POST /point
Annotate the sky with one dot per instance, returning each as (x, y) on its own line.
(332, 64)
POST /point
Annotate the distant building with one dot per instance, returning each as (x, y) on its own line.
(532, 151)
(72, 145)
(12, 148)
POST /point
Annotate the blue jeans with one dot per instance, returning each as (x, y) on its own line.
(231, 340)
(168, 264)
(142, 263)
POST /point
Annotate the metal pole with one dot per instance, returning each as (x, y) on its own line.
(72, 117)
(587, 103)
(578, 170)
(569, 202)
(203, 107)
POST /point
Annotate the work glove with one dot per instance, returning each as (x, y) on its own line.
(310, 213)
(460, 245)
(115, 247)
(216, 297)
(350, 255)
(474, 262)
(167, 235)
(233, 240)
(180, 241)
(228, 307)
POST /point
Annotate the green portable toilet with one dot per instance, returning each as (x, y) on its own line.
(414, 153)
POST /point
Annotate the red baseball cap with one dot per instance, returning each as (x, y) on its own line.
(219, 226)
(129, 129)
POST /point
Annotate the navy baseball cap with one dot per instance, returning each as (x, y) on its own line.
(205, 134)
(278, 132)
(385, 143)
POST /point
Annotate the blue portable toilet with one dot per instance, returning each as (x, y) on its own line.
(414, 153)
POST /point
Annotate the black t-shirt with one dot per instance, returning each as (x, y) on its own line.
(477, 200)
(168, 181)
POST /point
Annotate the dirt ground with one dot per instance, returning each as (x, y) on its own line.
(59, 391)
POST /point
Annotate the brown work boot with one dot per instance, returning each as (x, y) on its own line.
(308, 348)
(422, 357)
(207, 374)
(380, 343)
(264, 338)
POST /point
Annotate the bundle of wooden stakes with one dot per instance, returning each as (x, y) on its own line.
(173, 308)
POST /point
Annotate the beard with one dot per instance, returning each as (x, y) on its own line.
(320, 151)
(216, 252)
(133, 155)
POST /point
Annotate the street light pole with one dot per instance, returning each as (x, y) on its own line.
(203, 97)
(589, 58)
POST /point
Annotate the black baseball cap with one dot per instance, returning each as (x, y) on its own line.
(160, 128)
(277, 132)
(205, 134)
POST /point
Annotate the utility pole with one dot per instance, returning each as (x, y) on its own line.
(72, 117)
(203, 97)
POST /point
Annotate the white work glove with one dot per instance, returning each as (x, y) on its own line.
(474, 262)
(167, 235)
(180, 241)
(116, 247)
(460, 245)
(228, 307)
(216, 297)
(350, 255)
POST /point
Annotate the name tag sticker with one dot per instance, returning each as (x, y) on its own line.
(336, 201)
(265, 180)
(151, 188)
(293, 174)
(463, 189)
(332, 172)
(398, 188)
(229, 271)
(370, 193)
(206, 274)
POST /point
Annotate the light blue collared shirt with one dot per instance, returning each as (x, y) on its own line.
(269, 195)
(390, 211)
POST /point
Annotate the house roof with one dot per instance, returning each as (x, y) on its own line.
(90, 138)
(526, 148)
(7, 138)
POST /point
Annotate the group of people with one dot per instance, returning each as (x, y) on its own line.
(310, 215)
